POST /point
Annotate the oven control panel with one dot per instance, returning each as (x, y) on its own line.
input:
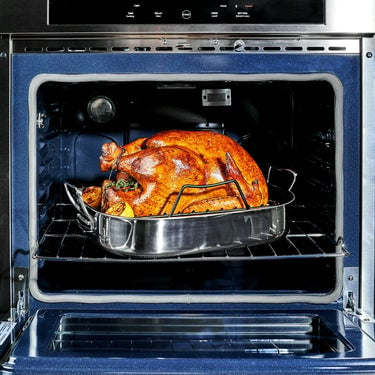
(87, 12)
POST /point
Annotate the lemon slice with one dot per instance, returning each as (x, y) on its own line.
(128, 211)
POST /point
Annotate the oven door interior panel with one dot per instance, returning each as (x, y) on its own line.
(198, 342)
(289, 111)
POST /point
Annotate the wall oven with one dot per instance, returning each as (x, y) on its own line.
(286, 287)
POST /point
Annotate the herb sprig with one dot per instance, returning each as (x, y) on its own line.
(130, 184)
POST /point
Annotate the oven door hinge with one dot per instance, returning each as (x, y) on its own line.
(351, 295)
(351, 288)
(20, 294)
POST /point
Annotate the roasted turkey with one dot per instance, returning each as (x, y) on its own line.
(164, 162)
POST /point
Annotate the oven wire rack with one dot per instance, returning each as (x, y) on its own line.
(63, 240)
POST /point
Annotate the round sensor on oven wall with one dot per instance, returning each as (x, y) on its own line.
(101, 109)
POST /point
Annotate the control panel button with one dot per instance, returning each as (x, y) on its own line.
(186, 14)
(158, 14)
(241, 14)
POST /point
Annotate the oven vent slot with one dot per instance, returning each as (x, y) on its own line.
(272, 48)
(142, 49)
(33, 49)
(333, 48)
(253, 48)
(164, 48)
(206, 48)
(192, 335)
(79, 49)
(293, 48)
(315, 48)
(98, 49)
(305, 46)
(53, 49)
(120, 49)
(63, 240)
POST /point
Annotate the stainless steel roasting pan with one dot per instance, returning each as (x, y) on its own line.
(178, 234)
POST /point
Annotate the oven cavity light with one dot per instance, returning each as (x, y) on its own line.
(101, 109)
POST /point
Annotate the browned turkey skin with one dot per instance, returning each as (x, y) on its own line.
(164, 162)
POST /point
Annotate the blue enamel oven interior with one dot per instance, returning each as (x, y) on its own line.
(282, 122)
(70, 144)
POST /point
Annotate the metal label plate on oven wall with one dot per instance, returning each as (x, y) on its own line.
(216, 97)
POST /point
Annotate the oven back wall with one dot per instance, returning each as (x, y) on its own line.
(26, 66)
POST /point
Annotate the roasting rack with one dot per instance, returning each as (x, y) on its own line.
(180, 234)
(64, 240)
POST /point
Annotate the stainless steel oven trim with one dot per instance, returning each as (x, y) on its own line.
(180, 298)
(187, 44)
(367, 302)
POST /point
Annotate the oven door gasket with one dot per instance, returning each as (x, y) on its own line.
(233, 298)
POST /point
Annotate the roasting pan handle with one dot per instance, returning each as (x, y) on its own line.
(293, 175)
(209, 186)
(75, 196)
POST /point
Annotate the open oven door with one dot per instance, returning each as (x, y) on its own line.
(195, 342)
